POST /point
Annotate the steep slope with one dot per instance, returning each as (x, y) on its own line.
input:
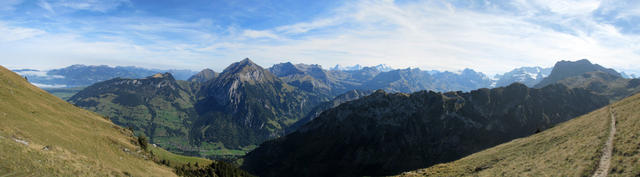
(529, 76)
(157, 106)
(247, 105)
(573, 148)
(41, 135)
(385, 134)
(316, 111)
(203, 76)
(565, 69)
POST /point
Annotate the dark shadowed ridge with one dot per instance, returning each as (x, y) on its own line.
(388, 133)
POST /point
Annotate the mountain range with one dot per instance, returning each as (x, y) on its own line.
(529, 76)
(333, 81)
(388, 133)
(303, 120)
(83, 75)
(229, 113)
(224, 115)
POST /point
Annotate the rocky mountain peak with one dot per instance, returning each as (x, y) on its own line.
(246, 71)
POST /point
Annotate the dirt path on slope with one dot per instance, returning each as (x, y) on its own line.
(605, 160)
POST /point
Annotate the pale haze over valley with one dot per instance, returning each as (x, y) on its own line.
(488, 36)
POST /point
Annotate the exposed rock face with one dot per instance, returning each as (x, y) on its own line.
(203, 76)
(385, 134)
(566, 69)
(247, 105)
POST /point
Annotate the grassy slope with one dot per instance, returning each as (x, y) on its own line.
(626, 144)
(573, 145)
(81, 143)
(572, 148)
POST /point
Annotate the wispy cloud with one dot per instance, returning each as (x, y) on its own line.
(9, 34)
(46, 6)
(92, 5)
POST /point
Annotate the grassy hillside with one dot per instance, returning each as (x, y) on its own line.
(572, 148)
(42, 135)
(626, 144)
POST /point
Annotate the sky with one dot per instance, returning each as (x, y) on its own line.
(488, 36)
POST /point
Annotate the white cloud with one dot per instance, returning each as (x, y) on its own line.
(8, 33)
(259, 34)
(437, 35)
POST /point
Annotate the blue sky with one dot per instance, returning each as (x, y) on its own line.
(489, 36)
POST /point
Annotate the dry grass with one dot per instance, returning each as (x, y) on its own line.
(626, 145)
(569, 149)
(572, 148)
(81, 143)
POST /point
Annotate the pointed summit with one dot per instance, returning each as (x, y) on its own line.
(246, 71)
(241, 66)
